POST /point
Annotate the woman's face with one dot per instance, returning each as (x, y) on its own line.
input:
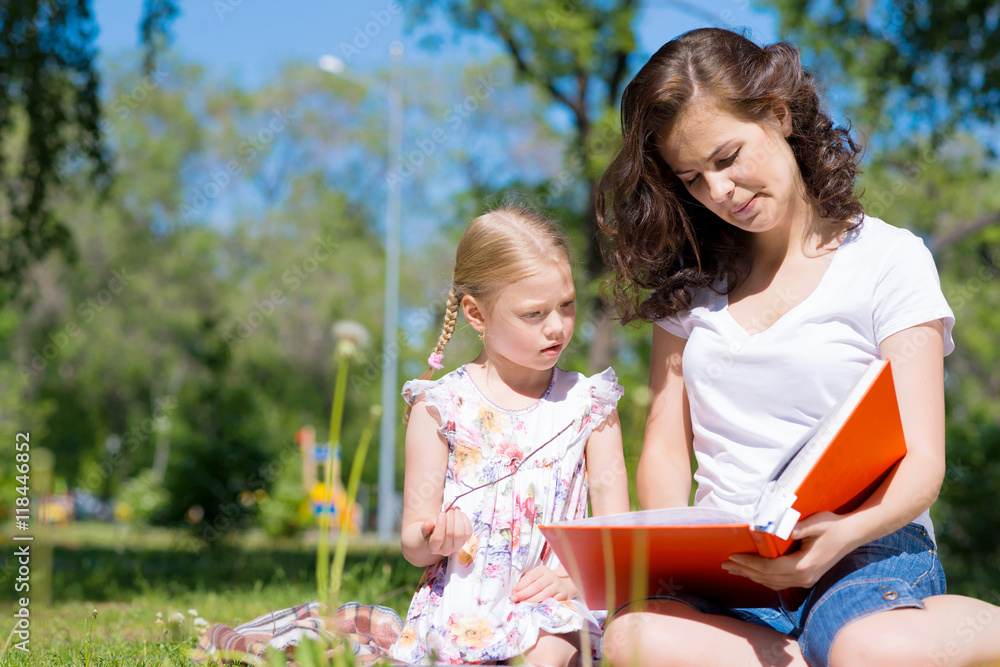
(743, 172)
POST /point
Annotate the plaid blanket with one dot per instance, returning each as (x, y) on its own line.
(369, 630)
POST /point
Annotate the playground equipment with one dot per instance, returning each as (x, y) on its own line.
(319, 499)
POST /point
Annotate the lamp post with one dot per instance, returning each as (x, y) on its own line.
(390, 335)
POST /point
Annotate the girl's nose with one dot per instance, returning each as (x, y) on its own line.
(553, 324)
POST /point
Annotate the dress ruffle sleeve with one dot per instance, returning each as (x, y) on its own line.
(605, 393)
(435, 394)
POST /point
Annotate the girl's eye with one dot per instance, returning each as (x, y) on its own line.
(569, 303)
(532, 314)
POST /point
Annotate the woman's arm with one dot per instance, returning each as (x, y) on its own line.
(664, 475)
(916, 355)
(917, 358)
(428, 534)
(606, 471)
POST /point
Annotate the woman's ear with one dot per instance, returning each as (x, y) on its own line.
(474, 313)
(784, 117)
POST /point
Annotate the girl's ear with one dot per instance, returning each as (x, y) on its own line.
(474, 313)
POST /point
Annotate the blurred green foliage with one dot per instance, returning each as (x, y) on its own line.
(49, 103)
(173, 362)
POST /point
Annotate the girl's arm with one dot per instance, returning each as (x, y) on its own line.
(606, 471)
(664, 474)
(608, 481)
(916, 355)
(428, 534)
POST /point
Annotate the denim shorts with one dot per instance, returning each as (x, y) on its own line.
(892, 572)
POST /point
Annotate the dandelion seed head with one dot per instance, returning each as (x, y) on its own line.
(351, 337)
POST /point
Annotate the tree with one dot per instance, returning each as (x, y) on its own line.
(938, 59)
(907, 69)
(49, 106)
(578, 53)
(194, 336)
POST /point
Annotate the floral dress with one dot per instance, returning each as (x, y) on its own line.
(462, 611)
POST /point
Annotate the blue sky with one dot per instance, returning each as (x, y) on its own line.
(249, 39)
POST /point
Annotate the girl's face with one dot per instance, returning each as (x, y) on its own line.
(531, 322)
(743, 172)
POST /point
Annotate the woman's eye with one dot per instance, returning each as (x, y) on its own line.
(725, 162)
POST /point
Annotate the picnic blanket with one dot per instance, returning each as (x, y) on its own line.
(369, 630)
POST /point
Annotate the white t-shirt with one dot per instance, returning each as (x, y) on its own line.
(754, 396)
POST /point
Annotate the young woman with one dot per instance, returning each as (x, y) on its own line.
(734, 226)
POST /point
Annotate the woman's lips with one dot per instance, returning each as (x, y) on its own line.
(745, 208)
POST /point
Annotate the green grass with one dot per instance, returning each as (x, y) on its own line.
(128, 576)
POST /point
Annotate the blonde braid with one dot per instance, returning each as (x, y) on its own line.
(450, 317)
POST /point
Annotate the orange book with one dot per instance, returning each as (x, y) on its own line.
(835, 467)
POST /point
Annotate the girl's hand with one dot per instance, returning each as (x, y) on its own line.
(540, 583)
(826, 538)
(446, 533)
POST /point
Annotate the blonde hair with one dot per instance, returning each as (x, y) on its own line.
(497, 249)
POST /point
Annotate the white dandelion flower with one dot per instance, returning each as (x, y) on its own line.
(351, 337)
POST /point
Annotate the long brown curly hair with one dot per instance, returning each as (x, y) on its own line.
(660, 243)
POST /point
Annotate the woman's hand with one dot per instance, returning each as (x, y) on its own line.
(826, 538)
(540, 583)
(446, 533)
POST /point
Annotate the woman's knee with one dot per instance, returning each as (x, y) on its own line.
(878, 644)
(641, 638)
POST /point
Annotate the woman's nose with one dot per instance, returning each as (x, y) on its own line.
(720, 186)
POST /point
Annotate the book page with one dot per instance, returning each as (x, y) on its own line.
(671, 516)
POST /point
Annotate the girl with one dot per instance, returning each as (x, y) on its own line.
(499, 446)
(733, 200)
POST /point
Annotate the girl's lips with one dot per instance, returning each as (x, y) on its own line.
(553, 349)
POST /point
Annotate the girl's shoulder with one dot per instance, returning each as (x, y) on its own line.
(436, 391)
(454, 389)
(601, 390)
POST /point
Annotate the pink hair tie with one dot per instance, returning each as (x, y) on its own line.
(435, 360)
